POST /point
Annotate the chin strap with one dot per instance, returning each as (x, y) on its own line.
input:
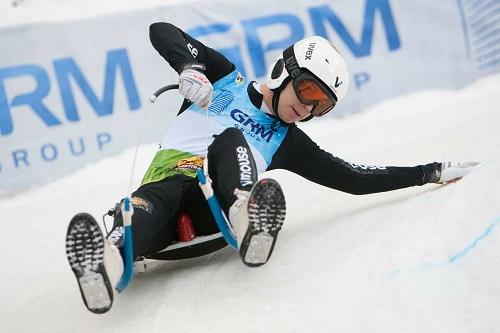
(276, 98)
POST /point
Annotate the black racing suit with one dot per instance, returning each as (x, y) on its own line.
(159, 203)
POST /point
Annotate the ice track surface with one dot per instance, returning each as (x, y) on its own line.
(425, 259)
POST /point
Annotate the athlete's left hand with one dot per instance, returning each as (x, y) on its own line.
(453, 171)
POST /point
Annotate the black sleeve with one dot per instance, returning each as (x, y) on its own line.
(180, 49)
(299, 154)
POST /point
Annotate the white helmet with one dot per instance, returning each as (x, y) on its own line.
(311, 60)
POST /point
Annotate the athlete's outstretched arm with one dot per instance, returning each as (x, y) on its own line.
(305, 158)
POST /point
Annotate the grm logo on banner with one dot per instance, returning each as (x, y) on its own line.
(66, 70)
(321, 17)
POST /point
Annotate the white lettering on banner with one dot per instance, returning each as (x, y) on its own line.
(31, 107)
(66, 69)
(323, 18)
(245, 167)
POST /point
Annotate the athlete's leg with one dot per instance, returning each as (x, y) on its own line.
(256, 209)
(156, 209)
(231, 166)
(97, 262)
(196, 206)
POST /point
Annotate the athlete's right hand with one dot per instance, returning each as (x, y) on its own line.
(195, 86)
(453, 171)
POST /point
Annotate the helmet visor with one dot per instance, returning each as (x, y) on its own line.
(311, 92)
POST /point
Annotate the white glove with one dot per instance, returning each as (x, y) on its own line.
(195, 86)
(453, 171)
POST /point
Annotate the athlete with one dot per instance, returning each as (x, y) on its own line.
(250, 129)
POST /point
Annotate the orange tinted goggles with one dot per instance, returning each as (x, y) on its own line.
(310, 92)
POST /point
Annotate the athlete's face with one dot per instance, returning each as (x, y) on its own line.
(290, 109)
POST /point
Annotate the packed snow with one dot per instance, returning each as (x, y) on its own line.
(419, 259)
